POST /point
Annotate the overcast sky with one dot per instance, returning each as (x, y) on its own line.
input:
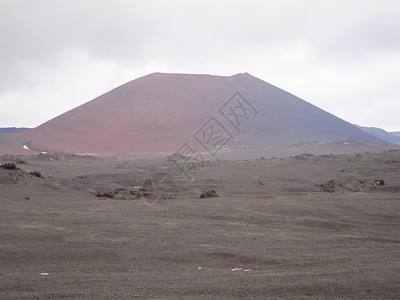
(342, 56)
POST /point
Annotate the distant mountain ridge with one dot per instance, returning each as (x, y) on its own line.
(396, 133)
(390, 137)
(12, 129)
(163, 112)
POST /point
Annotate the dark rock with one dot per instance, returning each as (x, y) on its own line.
(209, 194)
(392, 162)
(328, 187)
(304, 156)
(9, 166)
(353, 184)
(105, 195)
(119, 191)
(139, 191)
(379, 182)
(36, 174)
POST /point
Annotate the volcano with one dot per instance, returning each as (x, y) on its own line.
(162, 112)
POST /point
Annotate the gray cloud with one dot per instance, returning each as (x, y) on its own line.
(335, 54)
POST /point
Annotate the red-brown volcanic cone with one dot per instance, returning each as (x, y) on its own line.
(160, 112)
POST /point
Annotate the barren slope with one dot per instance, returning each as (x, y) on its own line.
(159, 112)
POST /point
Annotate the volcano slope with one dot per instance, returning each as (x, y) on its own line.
(303, 227)
(159, 112)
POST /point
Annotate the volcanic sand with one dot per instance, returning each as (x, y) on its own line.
(271, 233)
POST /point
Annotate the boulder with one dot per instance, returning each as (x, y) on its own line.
(209, 194)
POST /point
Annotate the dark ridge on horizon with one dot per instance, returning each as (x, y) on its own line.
(396, 133)
(388, 137)
(12, 129)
